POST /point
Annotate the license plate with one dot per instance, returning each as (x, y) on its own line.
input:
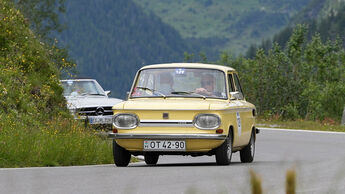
(100, 119)
(164, 145)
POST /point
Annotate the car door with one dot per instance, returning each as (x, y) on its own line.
(243, 110)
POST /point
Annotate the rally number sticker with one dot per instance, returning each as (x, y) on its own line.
(239, 127)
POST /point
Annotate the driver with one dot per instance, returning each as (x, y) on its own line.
(77, 89)
(166, 83)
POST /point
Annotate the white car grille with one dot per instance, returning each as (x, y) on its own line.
(95, 111)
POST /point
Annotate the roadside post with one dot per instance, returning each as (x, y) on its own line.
(343, 118)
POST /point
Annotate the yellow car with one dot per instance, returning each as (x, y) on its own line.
(184, 109)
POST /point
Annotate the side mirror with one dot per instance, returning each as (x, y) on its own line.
(127, 94)
(107, 92)
(236, 96)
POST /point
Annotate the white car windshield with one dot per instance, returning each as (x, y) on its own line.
(81, 88)
(180, 82)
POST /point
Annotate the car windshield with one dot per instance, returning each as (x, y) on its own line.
(180, 82)
(81, 88)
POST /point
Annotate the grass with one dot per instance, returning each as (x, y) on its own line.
(325, 125)
(61, 142)
(290, 183)
(255, 181)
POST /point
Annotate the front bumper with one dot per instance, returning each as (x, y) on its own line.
(96, 122)
(166, 136)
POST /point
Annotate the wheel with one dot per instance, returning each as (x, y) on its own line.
(121, 155)
(151, 159)
(224, 152)
(247, 153)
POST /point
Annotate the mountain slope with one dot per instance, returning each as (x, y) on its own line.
(318, 10)
(325, 17)
(29, 84)
(111, 40)
(236, 23)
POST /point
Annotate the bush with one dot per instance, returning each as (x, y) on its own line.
(29, 77)
(290, 112)
(35, 127)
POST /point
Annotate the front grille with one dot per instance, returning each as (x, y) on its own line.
(95, 111)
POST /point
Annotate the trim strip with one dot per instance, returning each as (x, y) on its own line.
(166, 123)
(166, 136)
(230, 109)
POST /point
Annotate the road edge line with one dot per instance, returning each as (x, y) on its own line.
(301, 130)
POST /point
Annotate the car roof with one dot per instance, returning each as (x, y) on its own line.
(190, 65)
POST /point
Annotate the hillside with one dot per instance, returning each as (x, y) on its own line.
(29, 84)
(324, 17)
(111, 40)
(318, 10)
(233, 24)
(36, 129)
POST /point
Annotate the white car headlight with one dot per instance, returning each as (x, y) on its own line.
(125, 121)
(206, 121)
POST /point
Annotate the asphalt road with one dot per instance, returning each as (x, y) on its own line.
(318, 158)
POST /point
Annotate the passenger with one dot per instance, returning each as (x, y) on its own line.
(207, 86)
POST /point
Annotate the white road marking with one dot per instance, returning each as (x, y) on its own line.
(301, 130)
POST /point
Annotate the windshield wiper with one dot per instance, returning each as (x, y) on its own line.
(84, 94)
(190, 93)
(97, 94)
(152, 90)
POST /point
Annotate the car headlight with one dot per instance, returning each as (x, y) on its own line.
(73, 111)
(206, 121)
(125, 121)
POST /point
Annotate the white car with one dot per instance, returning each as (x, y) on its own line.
(87, 101)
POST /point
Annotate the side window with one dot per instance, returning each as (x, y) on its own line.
(238, 85)
(231, 83)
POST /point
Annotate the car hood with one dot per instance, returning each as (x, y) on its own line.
(90, 101)
(171, 104)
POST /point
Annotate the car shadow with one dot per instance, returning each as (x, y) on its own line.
(198, 164)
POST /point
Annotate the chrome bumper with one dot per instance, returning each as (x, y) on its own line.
(166, 136)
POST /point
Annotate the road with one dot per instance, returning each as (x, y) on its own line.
(318, 158)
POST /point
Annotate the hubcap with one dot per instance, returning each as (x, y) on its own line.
(252, 146)
(229, 151)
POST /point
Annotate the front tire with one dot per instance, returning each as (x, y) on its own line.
(151, 159)
(224, 152)
(121, 155)
(247, 153)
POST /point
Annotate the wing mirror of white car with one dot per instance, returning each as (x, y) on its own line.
(107, 93)
(236, 96)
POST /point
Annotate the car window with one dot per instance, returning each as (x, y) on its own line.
(81, 87)
(238, 85)
(185, 82)
(231, 83)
